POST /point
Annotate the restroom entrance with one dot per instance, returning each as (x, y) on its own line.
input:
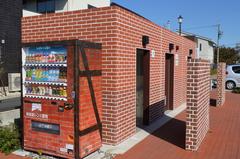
(169, 80)
(142, 86)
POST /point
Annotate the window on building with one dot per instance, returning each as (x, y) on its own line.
(45, 6)
(200, 47)
(236, 69)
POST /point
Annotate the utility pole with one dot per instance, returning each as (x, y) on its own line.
(218, 38)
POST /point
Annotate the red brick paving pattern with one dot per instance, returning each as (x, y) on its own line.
(221, 142)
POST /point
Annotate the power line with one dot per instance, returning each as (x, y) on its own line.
(201, 27)
(211, 26)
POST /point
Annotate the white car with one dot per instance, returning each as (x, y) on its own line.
(232, 76)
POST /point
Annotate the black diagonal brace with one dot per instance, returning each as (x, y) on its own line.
(90, 84)
(90, 72)
(89, 130)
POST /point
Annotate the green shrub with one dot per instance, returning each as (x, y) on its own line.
(9, 138)
(236, 90)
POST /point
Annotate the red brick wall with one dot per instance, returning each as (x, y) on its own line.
(120, 33)
(221, 75)
(198, 97)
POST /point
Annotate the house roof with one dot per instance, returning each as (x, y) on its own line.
(187, 34)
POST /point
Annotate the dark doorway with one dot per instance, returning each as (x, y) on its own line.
(142, 87)
(169, 79)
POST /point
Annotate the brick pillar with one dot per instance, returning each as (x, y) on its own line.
(198, 96)
(221, 74)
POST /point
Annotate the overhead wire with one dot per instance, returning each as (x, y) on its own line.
(201, 27)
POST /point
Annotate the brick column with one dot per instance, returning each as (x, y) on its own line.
(221, 74)
(198, 96)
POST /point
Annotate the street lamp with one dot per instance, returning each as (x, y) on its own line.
(180, 20)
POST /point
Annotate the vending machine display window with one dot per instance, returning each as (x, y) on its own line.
(45, 72)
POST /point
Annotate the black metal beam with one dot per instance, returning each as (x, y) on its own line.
(89, 130)
(90, 72)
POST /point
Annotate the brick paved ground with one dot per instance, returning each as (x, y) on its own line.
(221, 142)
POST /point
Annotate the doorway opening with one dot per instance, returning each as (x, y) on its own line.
(169, 80)
(142, 86)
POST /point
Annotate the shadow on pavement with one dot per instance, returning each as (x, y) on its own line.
(174, 131)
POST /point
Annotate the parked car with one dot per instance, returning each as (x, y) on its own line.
(232, 76)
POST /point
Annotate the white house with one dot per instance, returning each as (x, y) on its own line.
(35, 7)
(205, 46)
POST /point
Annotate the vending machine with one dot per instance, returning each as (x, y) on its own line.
(62, 98)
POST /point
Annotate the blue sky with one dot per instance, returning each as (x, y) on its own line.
(196, 13)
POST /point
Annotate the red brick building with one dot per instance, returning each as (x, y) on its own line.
(137, 76)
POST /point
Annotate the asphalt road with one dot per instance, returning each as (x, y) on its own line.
(10, 103)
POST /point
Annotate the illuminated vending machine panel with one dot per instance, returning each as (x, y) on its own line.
(57, 107)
